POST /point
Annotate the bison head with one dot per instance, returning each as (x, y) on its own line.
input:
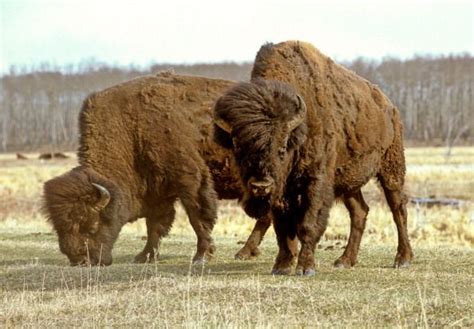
(82, 206)
(264, 123)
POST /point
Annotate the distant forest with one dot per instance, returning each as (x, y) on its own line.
(39, 106)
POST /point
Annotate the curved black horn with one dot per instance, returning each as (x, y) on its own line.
(299, 117)
(223, 125)
(104, 197)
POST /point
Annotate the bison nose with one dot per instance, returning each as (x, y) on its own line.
(262, 187)
(106, 261)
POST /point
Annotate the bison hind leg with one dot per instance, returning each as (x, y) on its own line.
(200, 202)
(392, 178)
(358, 211)
(158, 225)
(250, 249)
(397, 201)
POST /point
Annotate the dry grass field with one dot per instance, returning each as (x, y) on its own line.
(39, 289)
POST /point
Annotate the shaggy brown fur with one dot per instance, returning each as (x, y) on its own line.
(147, 142)
(305, 131)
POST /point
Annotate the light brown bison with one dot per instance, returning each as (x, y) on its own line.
(303, 132)
(143, 145)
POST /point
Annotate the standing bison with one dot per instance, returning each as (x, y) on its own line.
(304, 132)
(143, 145)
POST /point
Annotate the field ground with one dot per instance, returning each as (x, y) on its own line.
(38, 289)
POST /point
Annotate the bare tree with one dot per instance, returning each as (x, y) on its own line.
(39, 105)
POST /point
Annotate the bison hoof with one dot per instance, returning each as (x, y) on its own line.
(211, 250)
(281, 271)
(245, 253)
(142, 258)
(341, 266)
(402, 264)
(199, 261)
(403, 260)
(343, 263)
(202, 257)
(306, 272)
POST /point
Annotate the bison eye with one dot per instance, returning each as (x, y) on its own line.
(93, 228)
(235, 145)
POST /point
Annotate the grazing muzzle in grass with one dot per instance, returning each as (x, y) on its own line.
(83, 208)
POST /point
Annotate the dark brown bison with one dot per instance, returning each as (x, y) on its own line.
(59, 155)
(303, 132)
(49, 156)
(45, 156)
(143, 145)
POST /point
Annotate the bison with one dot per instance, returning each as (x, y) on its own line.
(143, 145)
(303, 132)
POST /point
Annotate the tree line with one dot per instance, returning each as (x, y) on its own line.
(39, 106)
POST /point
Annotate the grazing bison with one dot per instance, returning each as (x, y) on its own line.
(143, 145)
(303, 132)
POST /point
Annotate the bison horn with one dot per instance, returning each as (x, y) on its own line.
(104, 197)
(300, 115)
(223, 125)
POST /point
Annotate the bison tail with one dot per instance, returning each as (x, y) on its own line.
(392, 173)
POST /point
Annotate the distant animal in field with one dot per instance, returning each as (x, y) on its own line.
(304, 132)
(45, 156)
(20, 156)
(59, 155)
(143, 145)
(50, 155)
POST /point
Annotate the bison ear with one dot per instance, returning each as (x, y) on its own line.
(222, 129)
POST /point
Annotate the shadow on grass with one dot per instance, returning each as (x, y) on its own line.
(33, 261)
(49, 274)
(35, 264)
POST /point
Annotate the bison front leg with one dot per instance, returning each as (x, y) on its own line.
(201, 208)
(311, 227)
(285, 231)
(158, 224)
(250, 249)
(358, 211)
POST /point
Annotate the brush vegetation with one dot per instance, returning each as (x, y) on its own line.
(38, 288)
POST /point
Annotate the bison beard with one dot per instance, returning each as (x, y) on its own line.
(349, 133)
(257, 207)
